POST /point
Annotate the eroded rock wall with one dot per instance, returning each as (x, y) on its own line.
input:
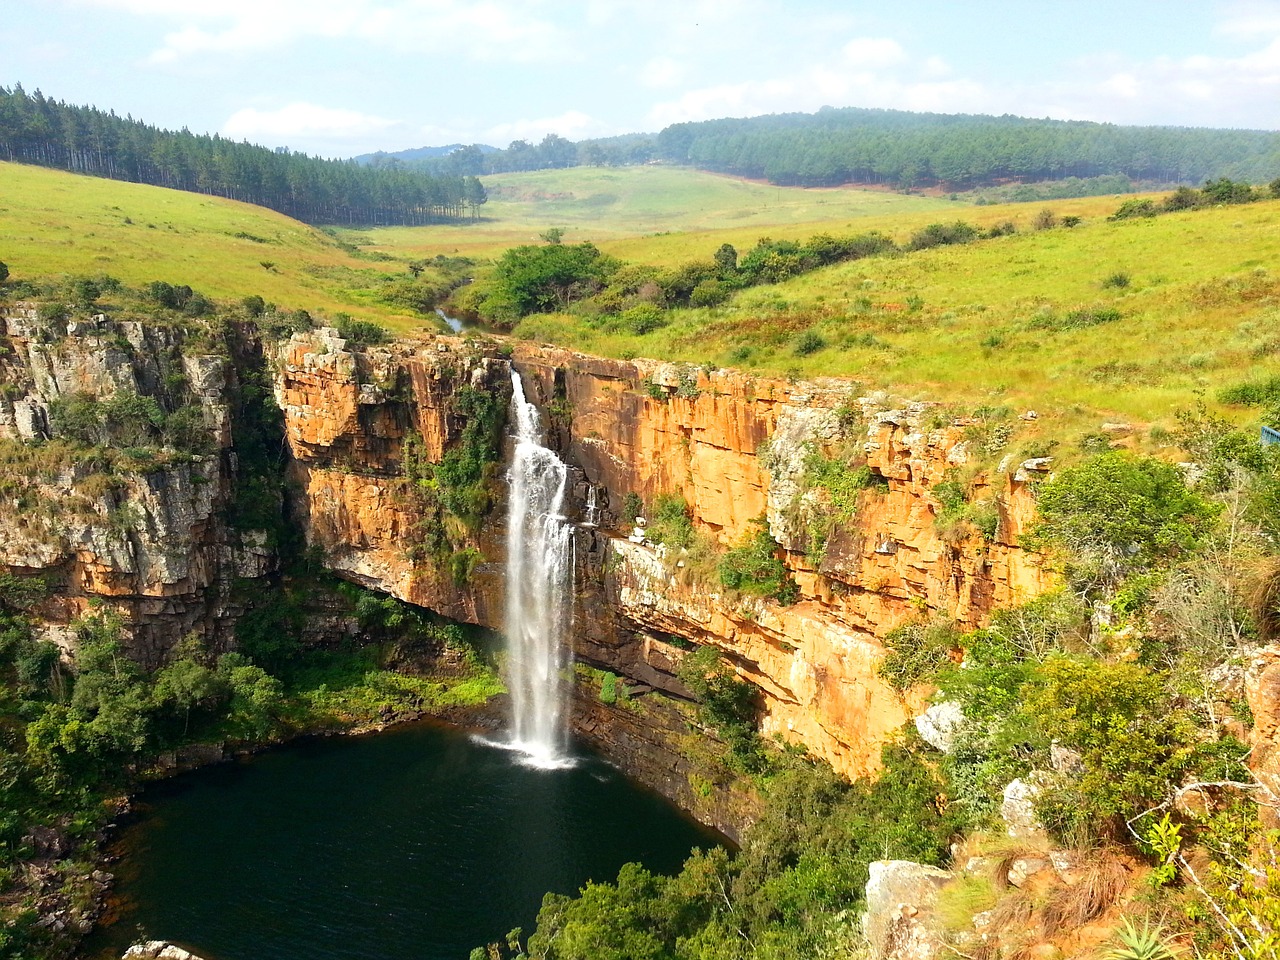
(140, 533)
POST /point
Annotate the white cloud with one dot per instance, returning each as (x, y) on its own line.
(505, 30)
(869, 71)
(1195, 90)
(300, 123)
(1248, 21)
(662, 72)
(572, 125)
(874, 53)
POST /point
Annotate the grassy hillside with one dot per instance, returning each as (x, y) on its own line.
(989, 323)
(998, 321)
(54, 223)
(601, 204)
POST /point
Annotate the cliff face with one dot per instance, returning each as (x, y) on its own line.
(735, 448)
(140, 530)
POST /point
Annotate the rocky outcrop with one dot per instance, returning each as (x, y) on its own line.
(140, 529)
(158, 950)
(899, 917)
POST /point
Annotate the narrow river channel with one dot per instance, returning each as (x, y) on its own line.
(415, 844)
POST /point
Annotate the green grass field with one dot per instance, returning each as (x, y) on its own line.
(988, 324)
(614, 204)
(54, 223)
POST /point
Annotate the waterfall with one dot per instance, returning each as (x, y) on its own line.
(539, 582)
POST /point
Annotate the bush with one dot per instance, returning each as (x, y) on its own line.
(671, 522)
(808, 342)
(943, 234)
(1115, 513)
(4, 271)
(1046, 219)
(754, 569)
(362, 332)
(708, 293)
(643, 318)
(52, 312)
(917, 652)
(76, 416)
(632, 507)
(1118, 717)
(1135, 209)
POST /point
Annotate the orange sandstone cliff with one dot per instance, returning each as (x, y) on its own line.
(734, 447)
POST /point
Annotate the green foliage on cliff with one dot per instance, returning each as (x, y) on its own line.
(1116, 514)
(753, 568)
(670, 522)
(727, 704)
(453, 496)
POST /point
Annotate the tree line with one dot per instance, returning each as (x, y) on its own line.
(38, 130)
(836, 146)
(901, 149)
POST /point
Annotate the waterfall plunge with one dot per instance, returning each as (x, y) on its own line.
(539, 595)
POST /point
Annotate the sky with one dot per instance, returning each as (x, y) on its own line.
(343, 77)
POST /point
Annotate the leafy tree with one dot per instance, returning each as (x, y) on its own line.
(1118, 717)
(4, 271)
(533, 279)
(256, 696)
(1116, 513)
(726, 258)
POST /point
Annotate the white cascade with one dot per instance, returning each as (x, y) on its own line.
(539, 589)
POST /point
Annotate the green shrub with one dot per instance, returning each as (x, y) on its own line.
(362, 332)
(917, 652)
(671, 522)
(643, 318)
(632, 507)
(708, 293)
(48, 312)
(1120, 720)
(608, 688)
(808, 342)
(1116, 513)
(753, 568)
(943, 234)
(1135, 209)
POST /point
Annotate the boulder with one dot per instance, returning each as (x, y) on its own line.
(1064, 759)
(158, 950)
(1018, 810)
(899, 921)
(1024, 868)
(938, 725)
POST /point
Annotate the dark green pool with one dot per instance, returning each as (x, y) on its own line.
(414, 844)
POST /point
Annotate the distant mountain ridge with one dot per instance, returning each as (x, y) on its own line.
(419, 153)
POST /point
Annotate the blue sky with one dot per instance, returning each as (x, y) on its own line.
(340, 77)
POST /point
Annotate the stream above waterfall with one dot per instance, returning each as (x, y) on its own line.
(415, 844)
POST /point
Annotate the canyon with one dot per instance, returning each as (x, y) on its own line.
(155, 544)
